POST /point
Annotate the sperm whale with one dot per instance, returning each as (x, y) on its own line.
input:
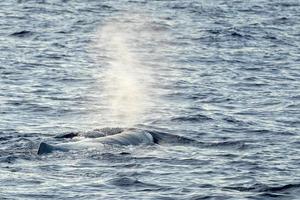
(110, 136)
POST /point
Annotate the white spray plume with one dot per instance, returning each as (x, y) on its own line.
(125, 77)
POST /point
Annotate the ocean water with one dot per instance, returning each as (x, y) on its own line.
(223, 73)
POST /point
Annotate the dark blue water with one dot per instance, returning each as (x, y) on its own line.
(223, 73)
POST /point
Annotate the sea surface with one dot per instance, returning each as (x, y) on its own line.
(223, 73)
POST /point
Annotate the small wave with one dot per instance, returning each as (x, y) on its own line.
(236, 34)
(129, 182)
(205, 197)
(231, 33)
(16, 146)
(271, 132)
(5, 138)
(192, 118)
(214, 31)
(22, 34)
(233, 120)
(7, 159)
(287, 4)
(229, 144)
(282, 188)
(258, 187)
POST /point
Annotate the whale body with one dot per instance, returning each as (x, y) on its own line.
(110, 136)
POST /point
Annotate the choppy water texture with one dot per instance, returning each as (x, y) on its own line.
(224, 73)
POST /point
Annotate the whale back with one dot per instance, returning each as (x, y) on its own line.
(167, 138)
(102, 132)
(45, 148)
(114, 136)
(128, 138)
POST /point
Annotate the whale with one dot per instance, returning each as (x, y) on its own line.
(110, 136)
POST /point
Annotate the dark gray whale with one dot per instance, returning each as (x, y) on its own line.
(110, 136)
